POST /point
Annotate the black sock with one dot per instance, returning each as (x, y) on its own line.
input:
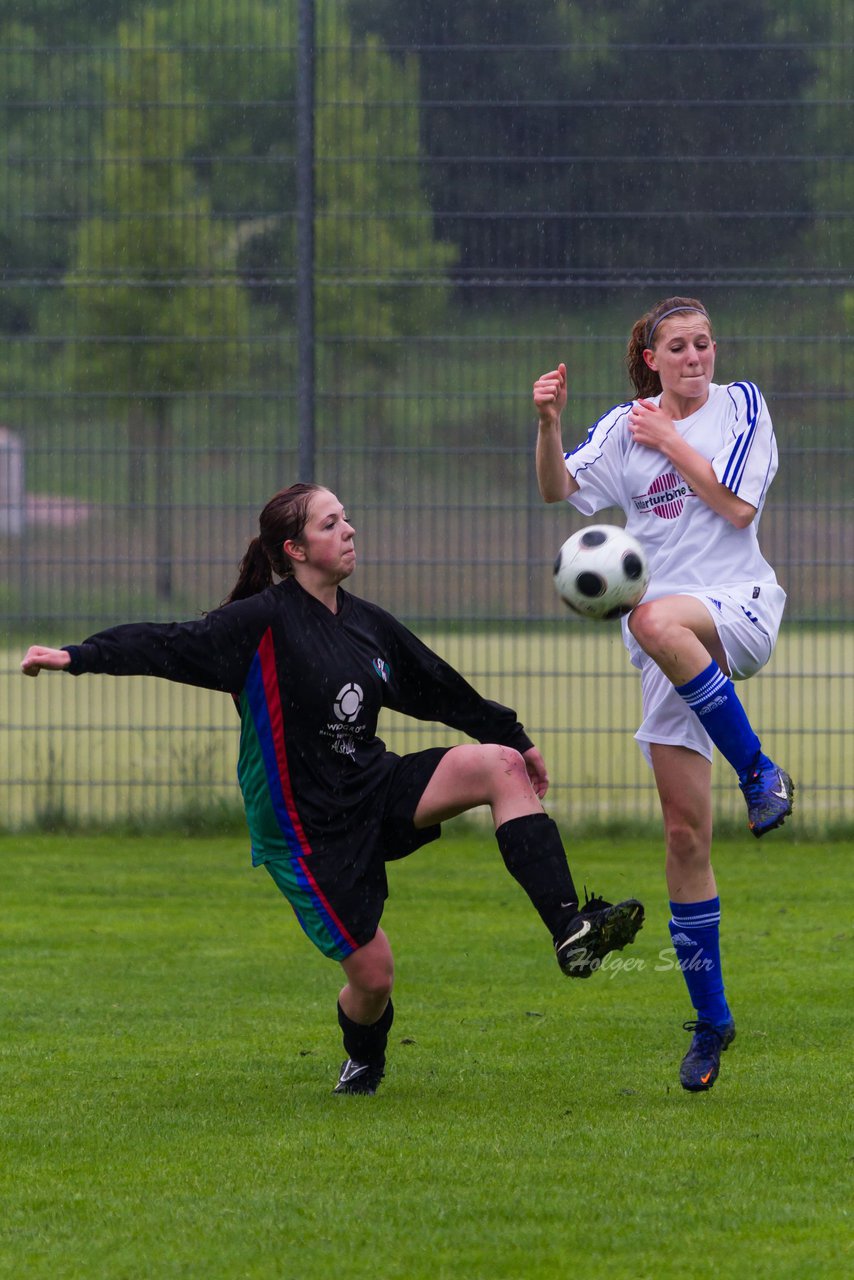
(366, 1043)
(533, 854)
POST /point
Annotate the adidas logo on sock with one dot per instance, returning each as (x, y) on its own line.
(682, 940)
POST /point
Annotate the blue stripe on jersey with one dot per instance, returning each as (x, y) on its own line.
(256, 694)
(734, 472)
(626, 405)
(297, 844)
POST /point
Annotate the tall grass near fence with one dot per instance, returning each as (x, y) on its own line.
(100, 750)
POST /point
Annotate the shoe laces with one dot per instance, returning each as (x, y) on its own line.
(706, 1035)
(592, 902)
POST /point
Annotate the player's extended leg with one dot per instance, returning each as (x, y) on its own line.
(684, 785)
(680, 636)
(365, 1015)
(472, 775)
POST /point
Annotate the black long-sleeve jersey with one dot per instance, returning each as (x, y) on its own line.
(309, 685)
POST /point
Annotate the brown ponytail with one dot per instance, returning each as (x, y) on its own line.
(283, 519)
(646, 381)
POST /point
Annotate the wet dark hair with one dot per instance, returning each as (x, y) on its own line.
(646, 381)
(284, 518)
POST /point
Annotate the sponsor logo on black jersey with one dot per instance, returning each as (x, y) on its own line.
(348, 702)
(382, 669)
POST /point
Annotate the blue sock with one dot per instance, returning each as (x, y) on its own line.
(712, 696)
(695, 931)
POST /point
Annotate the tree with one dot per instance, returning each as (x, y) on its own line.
(41, 189)
(67, 22)
(633, 134)
(156, 302)
(381, 272)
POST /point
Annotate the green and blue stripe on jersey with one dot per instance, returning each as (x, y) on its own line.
(278, 837)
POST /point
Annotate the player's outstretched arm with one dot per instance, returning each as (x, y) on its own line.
(38, 658)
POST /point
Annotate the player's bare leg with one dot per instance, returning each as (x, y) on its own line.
(680, 636)
(365, 1014)
(684, 785)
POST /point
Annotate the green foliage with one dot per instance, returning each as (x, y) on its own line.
(381, 273)
(169, 1044)
(155, 303)
(238, 56)
(65, 22)
(638, 133)
(43, 128)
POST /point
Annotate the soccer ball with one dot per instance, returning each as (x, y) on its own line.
(601, 571)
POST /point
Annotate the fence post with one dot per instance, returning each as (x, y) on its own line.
(305, 241)
(12, 499)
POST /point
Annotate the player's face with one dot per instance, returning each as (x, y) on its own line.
(684, 355)
(326, 545)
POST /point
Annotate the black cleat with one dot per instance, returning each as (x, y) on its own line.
(768, 790)
(360, 1077)
(702, 1062)
(598, 928)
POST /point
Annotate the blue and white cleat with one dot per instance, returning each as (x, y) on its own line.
(702, 1062)
(768, 790)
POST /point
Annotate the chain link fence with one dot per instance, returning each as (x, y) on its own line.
(246, 241)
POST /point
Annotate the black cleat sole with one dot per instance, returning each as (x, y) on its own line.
(624, 922)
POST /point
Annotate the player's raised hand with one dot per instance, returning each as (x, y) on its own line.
(649, 424)
(550, 394)
(38, 658)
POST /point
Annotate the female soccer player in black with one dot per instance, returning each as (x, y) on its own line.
(310, 667)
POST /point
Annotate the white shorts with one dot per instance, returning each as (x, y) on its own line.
(748, 632)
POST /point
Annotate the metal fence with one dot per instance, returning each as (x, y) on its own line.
(244, 242)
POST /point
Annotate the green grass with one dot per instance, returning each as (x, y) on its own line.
(168, 1045)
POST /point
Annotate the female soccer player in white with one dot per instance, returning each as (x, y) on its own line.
(689, 462)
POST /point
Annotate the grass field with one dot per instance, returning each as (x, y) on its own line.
(97, 750)
(169, 1045)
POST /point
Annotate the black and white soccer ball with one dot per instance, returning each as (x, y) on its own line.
(601, 572)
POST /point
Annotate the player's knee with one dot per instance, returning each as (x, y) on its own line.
(648, 625)
(688, 840)
(374, 981)
(381, 987)
(484, 771)
(506, 764)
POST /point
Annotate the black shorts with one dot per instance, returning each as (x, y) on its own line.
(339, 899)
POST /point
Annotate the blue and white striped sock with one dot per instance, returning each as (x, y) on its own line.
(695, 932)
(712, 696)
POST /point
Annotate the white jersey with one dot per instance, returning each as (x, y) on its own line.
(691, 549)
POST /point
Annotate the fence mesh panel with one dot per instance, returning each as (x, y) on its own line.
(494, 189)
